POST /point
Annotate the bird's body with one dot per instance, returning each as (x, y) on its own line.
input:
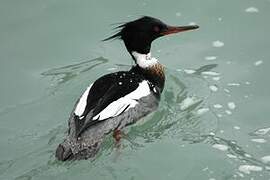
(119, 99)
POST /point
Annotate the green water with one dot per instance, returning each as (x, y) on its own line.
(213, 119)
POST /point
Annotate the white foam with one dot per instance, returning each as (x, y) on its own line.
(192, 23)
(216, 78)
(218, 43)
(252, 10)
(247, 155)
(210, 73)
(112, 69)
(205, 169)
(262, 131)
(231, 105)
(257, 63)
(217, 106)
(178, 14)
(189, 101)
(228, 112)
(189, 71)
(248, 168)
(233, 84)
(212, 134)
(259, 140)
(202, 111)
(237, 127)
(221, 131)
(239, 174)
(220, 147)
(210, 58)
(231, 156)
(219, 115)
(227, 90)
(213, 88)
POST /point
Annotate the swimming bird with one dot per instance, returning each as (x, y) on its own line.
(119, 99)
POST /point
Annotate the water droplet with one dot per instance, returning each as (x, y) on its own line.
(217, 106)
(248, 168)
(247, 155)
(220, 147)
(202, 111)
(212, 134)
(216, 78)
(232, 156)
(262, 131)
(192, 23)
(252, 10)
(259, 140)
(189, 101)
(257, 63)
(231, 105)
(227, 90)
(210, 58)
(221, 131)
(265, 159)
(189, 71)
(219, 115)
(178, 14)
(213, 88)
(228, 112)
(210, 73)
(218, 43)
(233, 84)
(112, 69)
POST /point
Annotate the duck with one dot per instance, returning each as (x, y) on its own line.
(119, 99)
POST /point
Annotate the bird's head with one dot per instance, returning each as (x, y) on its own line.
(139, 34)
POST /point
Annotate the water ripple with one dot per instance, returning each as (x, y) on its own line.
(66, 73)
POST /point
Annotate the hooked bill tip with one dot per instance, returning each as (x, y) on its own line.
(177, 29)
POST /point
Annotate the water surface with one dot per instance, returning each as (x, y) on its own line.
(213, 119)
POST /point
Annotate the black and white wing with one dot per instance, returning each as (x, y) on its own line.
(108, 97)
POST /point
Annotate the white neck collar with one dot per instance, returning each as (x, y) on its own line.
(144, 60)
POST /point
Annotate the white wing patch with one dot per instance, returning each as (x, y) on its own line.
(126, 102)
(82, 103)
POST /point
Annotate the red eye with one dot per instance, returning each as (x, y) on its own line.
(156, 28)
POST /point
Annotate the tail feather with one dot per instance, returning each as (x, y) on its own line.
(77, 149)
(84, 138)
(63, 153)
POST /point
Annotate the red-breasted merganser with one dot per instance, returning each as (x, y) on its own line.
(121, 98)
